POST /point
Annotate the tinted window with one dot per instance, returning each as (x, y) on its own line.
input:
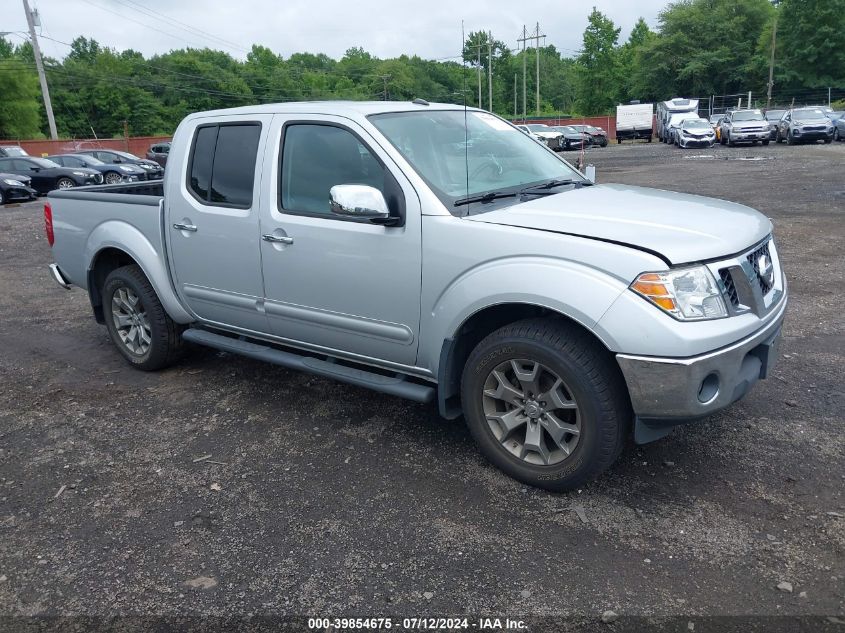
(234, 164)
(106, 157)
(222, 164)
(315, 158)
(202, 159)
(72, 162)
(59, 160)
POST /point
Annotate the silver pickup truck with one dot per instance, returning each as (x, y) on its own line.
(437, 253)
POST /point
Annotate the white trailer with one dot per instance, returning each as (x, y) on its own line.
(634, 121)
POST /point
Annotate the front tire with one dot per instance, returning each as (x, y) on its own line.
(138, 325)
(545, 403)
(112, 178)
(65, 183)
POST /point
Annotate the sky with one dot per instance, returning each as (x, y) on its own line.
(385, 28)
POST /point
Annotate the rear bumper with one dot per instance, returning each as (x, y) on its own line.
(59, 278)
(667, 391)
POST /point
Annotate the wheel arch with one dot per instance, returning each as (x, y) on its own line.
(111, 254)
(456, 349)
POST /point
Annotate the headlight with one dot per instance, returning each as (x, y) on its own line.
(687, 294)
(80, 173)
(14, 183)
(125, 168)
(145, 166)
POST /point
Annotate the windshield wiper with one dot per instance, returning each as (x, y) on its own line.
(485, 197)
(543, 187)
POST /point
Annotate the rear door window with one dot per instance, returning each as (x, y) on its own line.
(222, 164)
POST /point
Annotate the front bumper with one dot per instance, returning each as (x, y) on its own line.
(667, 391)
(707, 141)
(739, 136)
(20, 193)
(812, 135)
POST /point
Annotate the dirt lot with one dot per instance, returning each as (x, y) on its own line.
(329, 500)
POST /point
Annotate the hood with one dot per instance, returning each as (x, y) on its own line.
(151, 163)
(85, 170)
(824, 122)
(18, 177)
(679, 227)
(549, 134)
(755, 123)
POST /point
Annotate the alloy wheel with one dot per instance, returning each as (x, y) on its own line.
(531, 412)
(64, 183)
(130, 321)
(113, 178)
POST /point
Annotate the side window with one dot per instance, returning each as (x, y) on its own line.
(104, 156)
(222, 164)
(317, 157)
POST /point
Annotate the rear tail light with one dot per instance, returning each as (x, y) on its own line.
(48, 223)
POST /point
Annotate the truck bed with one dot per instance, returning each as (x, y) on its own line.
(123, 215)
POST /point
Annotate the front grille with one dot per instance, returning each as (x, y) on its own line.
(754, 259)
(730, 288)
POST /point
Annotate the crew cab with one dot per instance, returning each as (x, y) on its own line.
(436, 253)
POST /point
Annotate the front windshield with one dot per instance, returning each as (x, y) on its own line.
(748, 115)
(458, 161)
(45, 163)
(774, 115)
(805, 115)
(15, 151)
(538, 127)
(696, 124)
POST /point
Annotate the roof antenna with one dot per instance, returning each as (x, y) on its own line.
(464, 92)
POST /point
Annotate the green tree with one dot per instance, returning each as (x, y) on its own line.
(19, 103)
(598, 69)
(703, 47)
(811, 43)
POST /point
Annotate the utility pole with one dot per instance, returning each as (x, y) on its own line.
(479, 74)
(537, 36)
(490, 70)
(772, 64)
(514, 96)
(524, 40)
(45, 92)
(385, 78)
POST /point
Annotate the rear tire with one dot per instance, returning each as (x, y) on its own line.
(568, 393)
(138, 325)
(766, 142)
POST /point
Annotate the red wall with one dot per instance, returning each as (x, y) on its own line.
(137, 145)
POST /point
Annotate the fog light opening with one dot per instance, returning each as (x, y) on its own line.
(709, 388)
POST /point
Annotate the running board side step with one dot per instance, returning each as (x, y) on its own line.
(396, 385)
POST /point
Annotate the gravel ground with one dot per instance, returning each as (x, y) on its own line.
(329, 500)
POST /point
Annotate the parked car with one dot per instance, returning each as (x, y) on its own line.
(12, 150)
(633, 121)
(744, 126)
(773, 117)
(597, 135)
(695, 133)
(152, 170)
(550, 136)
(159, 153)
(673, 123)
(525, 130)
(14, 187)
(112, 173)
(573, 139)
(353, 246)
(805, 125)
(47, 175)
(839, 129)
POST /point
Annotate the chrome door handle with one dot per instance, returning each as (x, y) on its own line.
(185, 227)
(280, 239)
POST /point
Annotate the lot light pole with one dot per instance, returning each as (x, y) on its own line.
(45, 92)
(490, 70)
